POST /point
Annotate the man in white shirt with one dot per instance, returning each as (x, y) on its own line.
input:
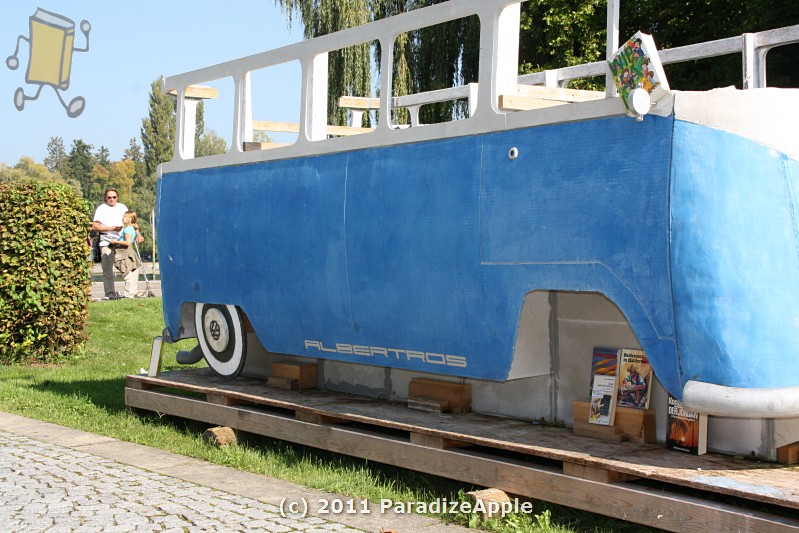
(108, 221)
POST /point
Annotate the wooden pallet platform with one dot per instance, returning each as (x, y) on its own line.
(642, 483)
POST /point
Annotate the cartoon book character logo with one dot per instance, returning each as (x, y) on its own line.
(51, 41)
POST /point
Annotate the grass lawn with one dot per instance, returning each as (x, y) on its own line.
(87, 392)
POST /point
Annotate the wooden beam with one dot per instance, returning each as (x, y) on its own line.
(250, 146)
(278, 127)
(200, 92)
(638, 424)
(558, 93)
(293, 127)
(347, 130)
(303, 373)
(283, 383)
(788, 454)
(512, 102)
(141, 385)
(452, 397)
(359, 102)
(753, 481)
(653, 507)
(315, 418)
(431, 441)
(600, 475)
(221, 399)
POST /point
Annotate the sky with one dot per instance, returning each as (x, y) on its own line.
(131, 45)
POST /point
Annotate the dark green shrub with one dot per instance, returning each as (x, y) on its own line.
(44, 275)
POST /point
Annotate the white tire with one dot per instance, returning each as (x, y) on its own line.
(220, 333)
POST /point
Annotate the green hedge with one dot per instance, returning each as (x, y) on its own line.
(45, 279)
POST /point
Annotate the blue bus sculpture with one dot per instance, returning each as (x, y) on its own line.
(414, 248)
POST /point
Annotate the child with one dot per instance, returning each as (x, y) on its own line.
(126, 259)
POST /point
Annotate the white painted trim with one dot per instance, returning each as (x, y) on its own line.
(741, 403)
(499, 23)
(741, 113)
(612, 43)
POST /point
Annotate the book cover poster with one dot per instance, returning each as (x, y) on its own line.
(634, 379)
(687, 430)
(603, 363)
(636, 63)
(602, 408)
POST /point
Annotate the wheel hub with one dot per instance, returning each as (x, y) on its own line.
(216, 330)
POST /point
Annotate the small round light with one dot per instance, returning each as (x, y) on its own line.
(639, 101)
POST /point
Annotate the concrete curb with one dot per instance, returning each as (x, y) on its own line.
(257, 487)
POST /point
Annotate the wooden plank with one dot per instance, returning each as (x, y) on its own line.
(599, 475)
(438, 443)
(735, 476)
(558, 93)
(314, 418)
(788, 454)
(347, 130)
(221, 399)
(139, 385)
(513, 102)
(283, 383)
(303, 373)
(638, 424)
(359, 102)
(656, 508)
(595, 431)
(294, 127)
(198, 91)
(426, 404)
(458, 396)
(251, 146)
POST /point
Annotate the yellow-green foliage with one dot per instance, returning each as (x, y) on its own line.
(44, 274)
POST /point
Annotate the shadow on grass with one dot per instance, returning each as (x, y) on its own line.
(108, 394)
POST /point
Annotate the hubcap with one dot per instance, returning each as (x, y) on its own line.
(216, 330)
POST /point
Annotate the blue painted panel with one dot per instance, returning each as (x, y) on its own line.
(735, 259)
(602, 198)
(585, 207)
(268, 238)
(414, 261)
(419, 256)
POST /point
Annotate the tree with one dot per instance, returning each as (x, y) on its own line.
(27, 168)
(103, 156)
(210, 144)
(199, 123)
(349, 69)
(98, 181)
(431, 58)
(121, 175)
(675, 23)
(560, 33)
(56, 160)
(80, 164)
(554, 34)
(142, 198)
(134, 153)
(158, 129)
